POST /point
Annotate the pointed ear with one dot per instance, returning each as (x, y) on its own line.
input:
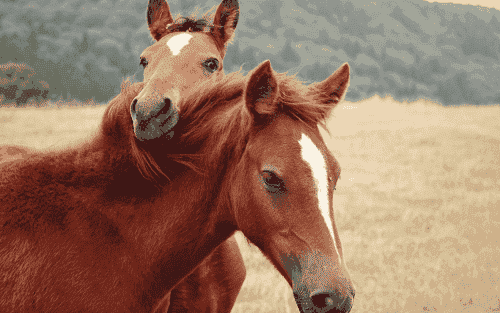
(159, 17)
(261, 91)
(226, 19)
(333, 89)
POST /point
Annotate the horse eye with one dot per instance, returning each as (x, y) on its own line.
(272, 181)
(144, 62)
(211, 65)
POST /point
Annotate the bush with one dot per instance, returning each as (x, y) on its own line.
(18, 83)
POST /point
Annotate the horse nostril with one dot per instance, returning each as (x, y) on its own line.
(327, 301)
(322, 300)
(132, 107)
(168, 104)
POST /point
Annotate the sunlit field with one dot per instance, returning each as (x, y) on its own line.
(417, 205)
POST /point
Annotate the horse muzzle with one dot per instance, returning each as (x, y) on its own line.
(153, 120)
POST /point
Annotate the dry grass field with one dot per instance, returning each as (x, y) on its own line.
(417, 205)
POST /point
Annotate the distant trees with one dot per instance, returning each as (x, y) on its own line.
(410, 49)
(81, 48)
(19, 84)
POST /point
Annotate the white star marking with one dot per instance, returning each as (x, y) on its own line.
(176, 43)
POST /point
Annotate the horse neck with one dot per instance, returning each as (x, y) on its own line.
(184, 225)
(197, 206)
(172, 226)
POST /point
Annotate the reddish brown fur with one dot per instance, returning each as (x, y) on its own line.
(220, 31)
(309, 105)
(215, 283)
(231, 125)
(81, 191)
(83, 229)
(223, 262)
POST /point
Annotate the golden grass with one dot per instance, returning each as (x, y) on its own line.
(42, 128)
(417, 205)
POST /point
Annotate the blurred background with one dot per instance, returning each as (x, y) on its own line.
(83, 49)
(418, 203)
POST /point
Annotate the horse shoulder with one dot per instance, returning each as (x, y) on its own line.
(44, 223)
(33, 194)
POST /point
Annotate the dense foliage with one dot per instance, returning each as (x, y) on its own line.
(412, 49)
(18, 83)
(83, 49)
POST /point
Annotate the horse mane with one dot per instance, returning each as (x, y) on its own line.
(116, 130)
(214, 121)
(213, 128)
(190, 24)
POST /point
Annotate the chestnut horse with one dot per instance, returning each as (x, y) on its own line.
(278, 176)
(83, 229)
(187, 51)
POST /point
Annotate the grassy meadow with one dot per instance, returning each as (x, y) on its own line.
(417, 205)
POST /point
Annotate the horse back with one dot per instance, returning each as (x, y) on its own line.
(32, 189)
(56, 244)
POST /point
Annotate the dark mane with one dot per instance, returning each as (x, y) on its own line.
(213, 126)
(215, 120)
(116, 130)
(116, 133)
(188, 24)
(194, 24)
(300, 102)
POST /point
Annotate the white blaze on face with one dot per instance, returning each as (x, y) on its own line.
(313, 156)
(176, 43)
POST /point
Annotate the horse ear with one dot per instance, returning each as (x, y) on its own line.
(159, 17)
(261, 90)
(226, 19)
(333, 89)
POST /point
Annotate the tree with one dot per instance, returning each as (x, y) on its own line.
(18, 83)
